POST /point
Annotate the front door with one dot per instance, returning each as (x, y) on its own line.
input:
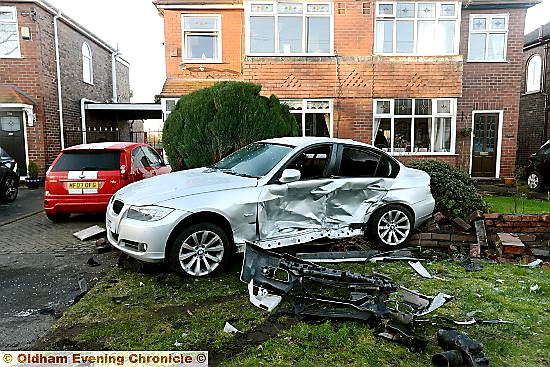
(484, 149)
(12, 137)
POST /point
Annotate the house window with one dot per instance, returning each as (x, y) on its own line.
(429, 28)
(414, 126)
(202, 38)
(168, 105)
(279, 28)
(314, 116)
(488, 37)
(534, 69)
(9, 36)
(87, 64)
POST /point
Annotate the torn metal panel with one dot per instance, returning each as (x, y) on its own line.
(338, 256)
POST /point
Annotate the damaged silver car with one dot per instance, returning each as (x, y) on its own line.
(273, 193)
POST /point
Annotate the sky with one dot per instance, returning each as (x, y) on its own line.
(138, 30)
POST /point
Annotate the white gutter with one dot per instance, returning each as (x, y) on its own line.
(83, 117)
(58, 70)
(209, 6)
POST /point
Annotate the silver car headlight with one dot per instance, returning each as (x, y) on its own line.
(148, 213)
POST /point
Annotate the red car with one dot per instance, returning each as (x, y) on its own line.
(83, 178)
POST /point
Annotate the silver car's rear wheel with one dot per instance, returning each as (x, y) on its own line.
(200, 250)
(391, 226)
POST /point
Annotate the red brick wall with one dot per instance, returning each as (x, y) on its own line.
(494, 86)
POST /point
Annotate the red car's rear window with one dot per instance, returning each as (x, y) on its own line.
(88, 161)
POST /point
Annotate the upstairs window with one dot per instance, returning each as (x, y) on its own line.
(279, 28)
(9, 36)
(416, 28)
(534, 69)
(202, 38)
(87, 64)
(488, 37)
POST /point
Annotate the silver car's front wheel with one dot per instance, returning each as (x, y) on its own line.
(391, 226)
(200, 250)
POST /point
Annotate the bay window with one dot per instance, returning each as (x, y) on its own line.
(414, 126)
(419, 28)
(314, 116)
(289, 28)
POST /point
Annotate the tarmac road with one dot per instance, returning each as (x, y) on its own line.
(41, 264)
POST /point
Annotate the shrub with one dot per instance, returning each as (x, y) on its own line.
(452, 189)
(33, 169)
(210, 123)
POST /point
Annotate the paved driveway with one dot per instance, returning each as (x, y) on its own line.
(40, 267)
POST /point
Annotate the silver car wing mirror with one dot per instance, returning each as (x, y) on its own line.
(290, 175)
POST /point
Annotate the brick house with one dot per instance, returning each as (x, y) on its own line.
(534, 101)
(420, 79)
(41, 100)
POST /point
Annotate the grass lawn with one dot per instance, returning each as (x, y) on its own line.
(517, 205)
(163, 308)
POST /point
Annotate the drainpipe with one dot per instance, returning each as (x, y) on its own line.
(114, 76)
(545, 90)
(58, 70)
(83, 117)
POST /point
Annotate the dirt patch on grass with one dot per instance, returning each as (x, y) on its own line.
(171, 310)
(243, 342)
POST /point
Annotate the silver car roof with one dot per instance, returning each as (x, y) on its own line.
(301, 141)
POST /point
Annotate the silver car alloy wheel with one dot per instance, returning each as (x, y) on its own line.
(201, 253)
(393, 227)
(533, 181)
(10, 188)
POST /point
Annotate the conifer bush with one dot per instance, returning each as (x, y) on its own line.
(452, 189)
(210, 123)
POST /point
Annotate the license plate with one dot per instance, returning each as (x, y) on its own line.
(83, 185)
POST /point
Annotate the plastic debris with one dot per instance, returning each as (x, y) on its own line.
(534, 288)
(228, 328)
(533, 264)
(420, 269)
(89, 233)
(177, 344)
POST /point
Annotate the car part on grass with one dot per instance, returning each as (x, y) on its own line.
(420, 269)
(320, 292)
(358, 256)
(228, 328)
(470, 265)
(459, 350)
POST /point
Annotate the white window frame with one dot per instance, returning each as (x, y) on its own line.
(305, 110)
(13, 20)
(206, 32)
(415, 20)
(165, 111)
(532, 85)
(304, 16)
(87, 59)
(434, 115)
(487, 31)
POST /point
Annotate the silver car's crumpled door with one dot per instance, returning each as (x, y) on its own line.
(304, 211)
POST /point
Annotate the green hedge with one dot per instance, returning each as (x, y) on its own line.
(452, 189)
(210, 123)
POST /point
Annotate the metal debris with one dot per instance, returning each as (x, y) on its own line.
(420, 269)
(459, 350)
(90, 232)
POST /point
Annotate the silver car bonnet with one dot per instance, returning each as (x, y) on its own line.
(174, 185)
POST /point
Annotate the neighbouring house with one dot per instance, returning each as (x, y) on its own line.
(420, 79)
(534, 101)
(52, 70)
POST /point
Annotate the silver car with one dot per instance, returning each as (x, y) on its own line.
(274, 193)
